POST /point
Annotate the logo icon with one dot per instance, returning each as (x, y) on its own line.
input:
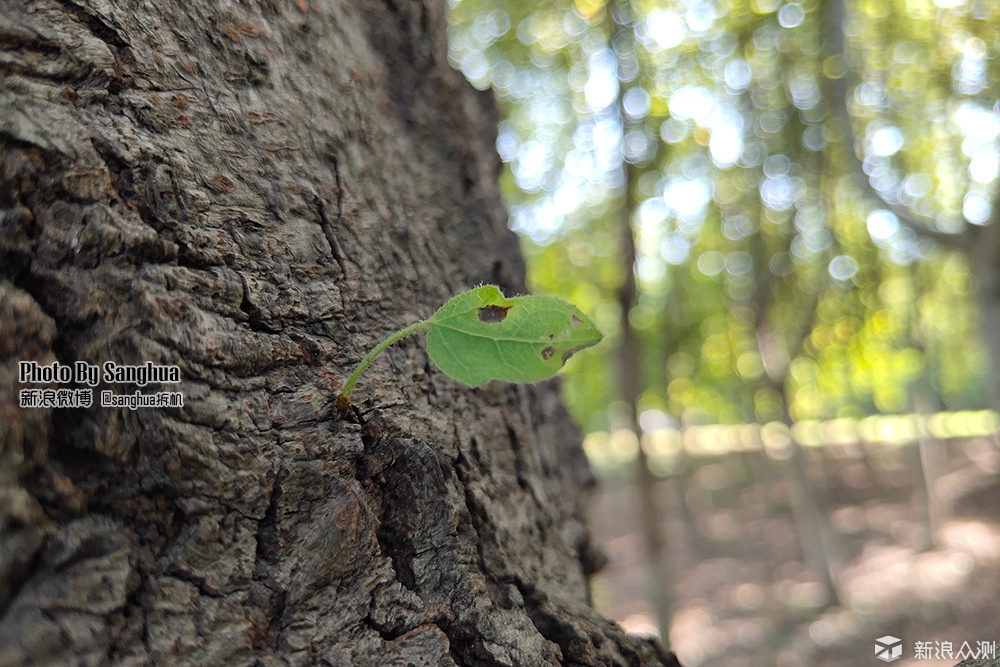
(888, 648)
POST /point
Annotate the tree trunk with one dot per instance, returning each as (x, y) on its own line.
(630, 362)
(258, 192)
(985, 259)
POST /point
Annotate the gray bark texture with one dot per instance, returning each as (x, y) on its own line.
(259, 192)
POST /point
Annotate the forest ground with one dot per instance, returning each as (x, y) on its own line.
(744, 598)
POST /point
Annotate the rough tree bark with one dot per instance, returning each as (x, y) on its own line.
(258, 192)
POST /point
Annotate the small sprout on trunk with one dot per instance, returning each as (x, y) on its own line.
(481, 335)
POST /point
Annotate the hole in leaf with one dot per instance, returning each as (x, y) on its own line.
(493, 314)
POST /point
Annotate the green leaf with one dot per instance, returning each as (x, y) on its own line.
(481, 335)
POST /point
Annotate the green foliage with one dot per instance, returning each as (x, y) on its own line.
(481, 335)
(773, 279)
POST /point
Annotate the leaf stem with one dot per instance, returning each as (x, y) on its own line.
(346, 391)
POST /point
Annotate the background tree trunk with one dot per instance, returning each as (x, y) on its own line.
(258, 192)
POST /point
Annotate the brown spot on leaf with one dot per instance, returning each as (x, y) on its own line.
(577, 321)
(548, 352)
(493, 314)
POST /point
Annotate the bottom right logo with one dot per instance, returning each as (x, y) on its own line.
(888, 648)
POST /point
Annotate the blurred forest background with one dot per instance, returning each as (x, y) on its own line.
(784, 216)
